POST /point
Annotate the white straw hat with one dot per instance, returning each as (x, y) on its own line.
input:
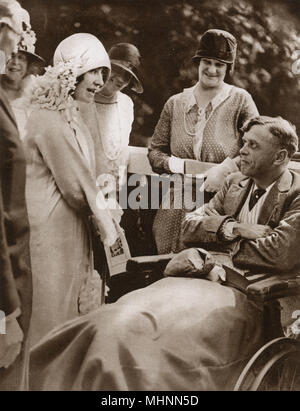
(85, 50)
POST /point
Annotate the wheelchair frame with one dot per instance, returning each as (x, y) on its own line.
(276, 365)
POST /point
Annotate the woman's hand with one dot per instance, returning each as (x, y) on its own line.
(10, 343)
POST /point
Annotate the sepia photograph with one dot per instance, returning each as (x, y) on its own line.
(149, 198)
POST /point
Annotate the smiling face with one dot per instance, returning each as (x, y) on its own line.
(211, 72)
(90, 84)
(17, 65)
(118, 80)
(258, 152)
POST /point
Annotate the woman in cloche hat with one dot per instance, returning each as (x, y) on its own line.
(115, 109)
(61, 190)
(201, 123)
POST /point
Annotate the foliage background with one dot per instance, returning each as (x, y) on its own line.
(167, 34)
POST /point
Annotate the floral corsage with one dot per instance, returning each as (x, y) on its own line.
(53, 89)
(28, 40)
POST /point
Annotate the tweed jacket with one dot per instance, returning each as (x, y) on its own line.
(15, 267)
(279, 251)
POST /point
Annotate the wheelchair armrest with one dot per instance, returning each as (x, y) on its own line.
(148, 263)
(274, 287)
(140, 272)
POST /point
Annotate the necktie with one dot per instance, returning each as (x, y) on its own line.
(255, 196)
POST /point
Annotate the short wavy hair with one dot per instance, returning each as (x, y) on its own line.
(284, 132)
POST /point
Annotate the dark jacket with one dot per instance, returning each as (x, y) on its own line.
(15, 269)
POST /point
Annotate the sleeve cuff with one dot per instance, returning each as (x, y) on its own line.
(228, 230)
(225, 232)
(176, 165)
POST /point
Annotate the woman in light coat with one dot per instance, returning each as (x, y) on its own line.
(61, 188)
(115, 108)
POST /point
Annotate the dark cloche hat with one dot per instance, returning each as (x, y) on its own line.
(127, 56)
(217, 44)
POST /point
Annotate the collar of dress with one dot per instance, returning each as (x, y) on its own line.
(100, 98)
(215, 102)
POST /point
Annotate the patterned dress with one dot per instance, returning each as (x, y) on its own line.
(184, 131)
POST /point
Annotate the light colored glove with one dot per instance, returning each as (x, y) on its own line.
(176, 165)
(103, 220)
(10, 343)
(216, 175)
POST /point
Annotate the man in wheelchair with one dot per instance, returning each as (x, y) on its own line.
(196, 328)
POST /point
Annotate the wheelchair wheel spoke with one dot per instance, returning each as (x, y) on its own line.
(294, 378)
(284, 376)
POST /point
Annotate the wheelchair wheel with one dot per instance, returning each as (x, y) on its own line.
(275, 367)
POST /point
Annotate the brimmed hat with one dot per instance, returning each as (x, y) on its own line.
(217, 44)
(27, 45)
(127, 56)
(84, 50)
(33, 57)
(18, 19)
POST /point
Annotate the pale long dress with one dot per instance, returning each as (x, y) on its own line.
(114, 125)
(61, 193)
(21, 106)
(110, 125)
(22, 113)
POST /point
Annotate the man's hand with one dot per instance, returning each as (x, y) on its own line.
(208, 211)
(10, 343)
(216, 175)
(251, 231)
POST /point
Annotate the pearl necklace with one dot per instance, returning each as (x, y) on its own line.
(112, 156)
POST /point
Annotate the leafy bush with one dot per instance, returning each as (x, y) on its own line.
(167, 34)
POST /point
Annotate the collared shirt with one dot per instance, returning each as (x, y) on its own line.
(203, 115)
(246, 216)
